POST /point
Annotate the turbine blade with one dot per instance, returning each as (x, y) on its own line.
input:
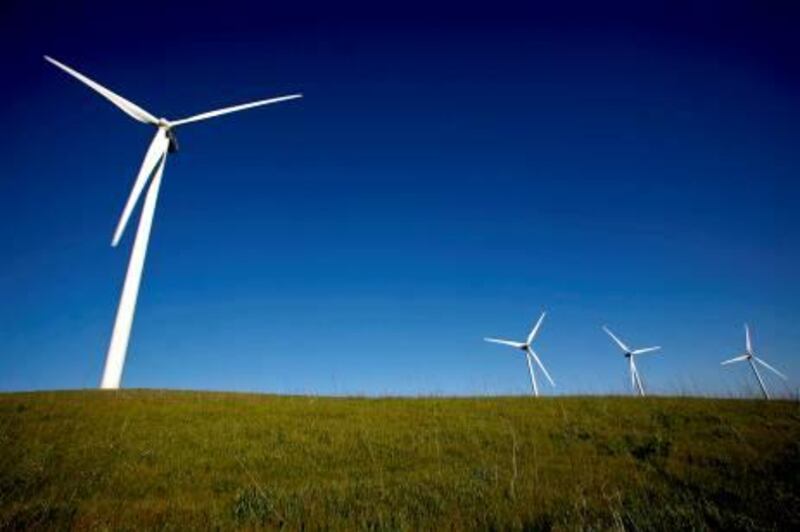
(157, 148)
(518, 345)
(533, 377)
(645, 350)
(233, 109)
(535, 329)
(539, 362)
(638, 379)
(734, 359)
(616, 340)
(747, 342)
(130, 108)
(760, 380)
(775, 371)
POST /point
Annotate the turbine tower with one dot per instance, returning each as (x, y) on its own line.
(530, 354)
(750, 356)
(630, 354)
(150, 172)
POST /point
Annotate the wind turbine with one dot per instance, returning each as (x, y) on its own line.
(630, 354)
(749, 356)
(150, 172)
(529, 353)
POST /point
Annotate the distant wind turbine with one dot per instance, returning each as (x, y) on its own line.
(529, 353)
(151, 171)
(749, 356)
(630, 354)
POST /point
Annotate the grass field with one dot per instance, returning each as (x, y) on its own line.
(189, 460)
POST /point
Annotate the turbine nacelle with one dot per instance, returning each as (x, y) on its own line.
(166, 125)
(173, 140)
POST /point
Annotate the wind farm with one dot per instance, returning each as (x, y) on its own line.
(456, 268)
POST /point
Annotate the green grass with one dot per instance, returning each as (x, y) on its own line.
(187, 460)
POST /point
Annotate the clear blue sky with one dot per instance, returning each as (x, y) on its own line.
(450, 173)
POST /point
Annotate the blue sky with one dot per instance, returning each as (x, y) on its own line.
(450, 173)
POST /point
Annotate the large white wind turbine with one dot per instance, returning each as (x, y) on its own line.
(630, 354)
(749, 356)
(150, 172)
(529, 353)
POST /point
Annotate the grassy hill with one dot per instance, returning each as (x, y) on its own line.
(178, 460)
